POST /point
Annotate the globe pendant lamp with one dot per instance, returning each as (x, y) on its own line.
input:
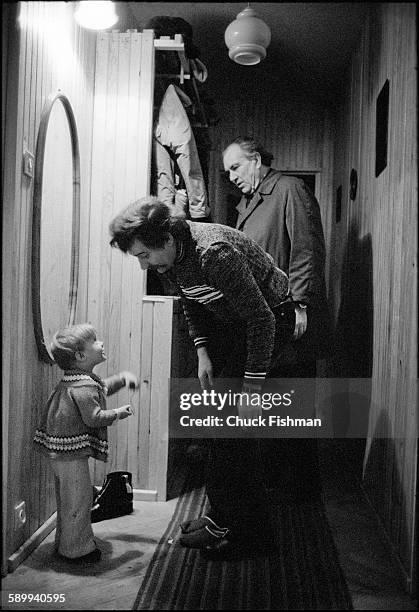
(247, 38)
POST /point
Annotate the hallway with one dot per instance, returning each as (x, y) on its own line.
(373, 579)
(79, 116)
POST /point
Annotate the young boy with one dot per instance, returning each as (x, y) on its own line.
(73, 427)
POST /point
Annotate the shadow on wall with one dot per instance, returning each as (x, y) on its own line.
(353, 354)
(354, 327)
(226, 198)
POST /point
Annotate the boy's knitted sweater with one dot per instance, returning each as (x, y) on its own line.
(220, 269)
(74, 421)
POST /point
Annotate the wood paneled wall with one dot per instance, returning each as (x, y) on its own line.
(373, 284)
(163, 326)
(120, 175)
(150, 465)
(47, 52)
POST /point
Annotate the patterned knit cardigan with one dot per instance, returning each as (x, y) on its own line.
(222, 270)
(74, 421)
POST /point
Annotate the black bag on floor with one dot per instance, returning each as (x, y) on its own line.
(114, 498)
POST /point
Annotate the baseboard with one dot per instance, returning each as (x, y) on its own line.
(145, 495)
(29, 546)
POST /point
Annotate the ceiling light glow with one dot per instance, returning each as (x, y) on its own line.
(96, 15)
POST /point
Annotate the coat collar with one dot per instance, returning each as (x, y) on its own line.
(245, 206)
(76, 375)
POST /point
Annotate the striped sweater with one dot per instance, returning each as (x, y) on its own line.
(220, 269)
(74, 421)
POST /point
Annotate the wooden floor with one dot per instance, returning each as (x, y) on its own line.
(128, 543)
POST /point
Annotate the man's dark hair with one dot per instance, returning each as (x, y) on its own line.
(250, 146)
(148, 220)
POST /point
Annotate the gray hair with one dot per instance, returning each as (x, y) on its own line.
(250, 147)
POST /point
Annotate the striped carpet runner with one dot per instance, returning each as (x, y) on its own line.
(303, 572)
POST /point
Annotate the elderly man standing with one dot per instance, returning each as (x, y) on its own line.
(282, 215)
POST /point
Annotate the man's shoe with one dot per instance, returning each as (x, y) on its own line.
(203, 538)
(91, 557)
(237, 549)
(223, 549)
(199, 523)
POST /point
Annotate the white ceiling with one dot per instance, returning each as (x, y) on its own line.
(313, 38)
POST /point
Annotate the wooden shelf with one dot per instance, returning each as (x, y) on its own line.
(165, 43)
(176, 44)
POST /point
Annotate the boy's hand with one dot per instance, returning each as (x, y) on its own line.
(131, 380)
(123, 411)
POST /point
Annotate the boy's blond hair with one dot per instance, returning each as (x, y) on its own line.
(67, 341)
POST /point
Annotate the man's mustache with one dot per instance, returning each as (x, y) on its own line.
(156, 269)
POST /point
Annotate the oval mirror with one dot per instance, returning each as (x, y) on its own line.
(56, 222)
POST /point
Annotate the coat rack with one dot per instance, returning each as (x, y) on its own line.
(176, 44)
(165, 43)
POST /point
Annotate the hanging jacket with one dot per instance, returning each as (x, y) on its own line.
(174, 143)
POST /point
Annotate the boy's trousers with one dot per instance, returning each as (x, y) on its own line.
(74, 494)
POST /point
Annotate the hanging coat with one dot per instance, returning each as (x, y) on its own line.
(174, 143)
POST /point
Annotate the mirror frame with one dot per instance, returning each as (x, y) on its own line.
(36, 220)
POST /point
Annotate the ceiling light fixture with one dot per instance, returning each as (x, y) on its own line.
(247, 38)
(96, 15)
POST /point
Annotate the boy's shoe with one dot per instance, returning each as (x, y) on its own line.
(91, 557)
